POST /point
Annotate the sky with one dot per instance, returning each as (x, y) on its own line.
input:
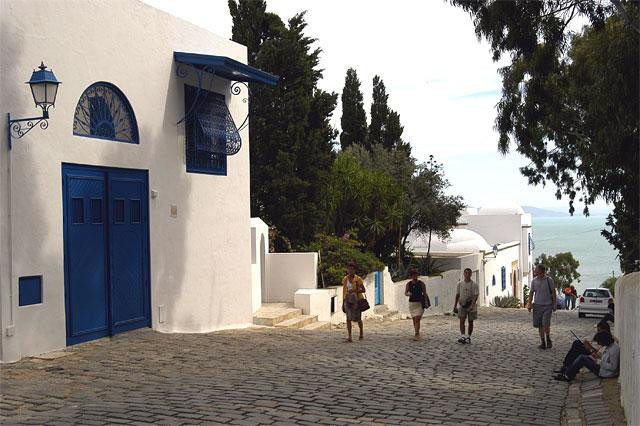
(440, 79)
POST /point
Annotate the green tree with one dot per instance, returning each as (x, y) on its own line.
(610, 283)
(434, 212)
(385, 128)
(562, 268)
(354, 118)
(291, 137)
(570, 101)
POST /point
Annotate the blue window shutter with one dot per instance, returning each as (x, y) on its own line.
(493, 281)
(503, 272)
(204, 145)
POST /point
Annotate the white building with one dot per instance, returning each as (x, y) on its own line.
(494, 242)
(506, 225)
(119, 215)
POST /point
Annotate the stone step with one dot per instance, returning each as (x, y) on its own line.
(380, 309)
(318, 325)
(298, 321)
(272, 314)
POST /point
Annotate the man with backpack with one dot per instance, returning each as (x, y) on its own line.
(543, 296)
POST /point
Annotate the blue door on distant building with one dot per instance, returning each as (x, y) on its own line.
(377, 277)
(106, 251)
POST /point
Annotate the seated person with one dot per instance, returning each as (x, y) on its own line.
(581, 348)
(610, 316)
(609, 360)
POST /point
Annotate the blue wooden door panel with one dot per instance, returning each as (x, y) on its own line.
(128, 249)
(86, 295)
(106, 251)
(378, 287)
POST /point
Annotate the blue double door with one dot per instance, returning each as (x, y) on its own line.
(106, 251)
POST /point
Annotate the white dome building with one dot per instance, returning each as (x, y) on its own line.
(460, 241)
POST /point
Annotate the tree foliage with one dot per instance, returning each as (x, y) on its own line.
(291, 136)
(610, 283)
(335, 252)
(354, 119)
(385, 128)
(562, 268)
(570, 101)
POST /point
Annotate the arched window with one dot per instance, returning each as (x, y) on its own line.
(104, 112)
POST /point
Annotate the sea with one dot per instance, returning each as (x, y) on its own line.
(581, 236)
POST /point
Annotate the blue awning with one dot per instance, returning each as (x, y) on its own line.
(226, 67)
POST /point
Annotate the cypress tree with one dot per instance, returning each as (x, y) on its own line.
(354, 119)
(291, 147)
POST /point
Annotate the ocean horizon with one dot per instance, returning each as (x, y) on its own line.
(581, 236)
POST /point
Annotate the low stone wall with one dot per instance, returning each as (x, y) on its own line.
(441, 290)
(627, 328)
(288, 272)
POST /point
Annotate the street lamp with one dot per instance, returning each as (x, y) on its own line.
(44, 88)
(495, 250)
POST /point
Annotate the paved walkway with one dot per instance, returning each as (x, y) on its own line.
(273, 376)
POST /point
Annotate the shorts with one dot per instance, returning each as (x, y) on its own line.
(542, 315)
(463, 313)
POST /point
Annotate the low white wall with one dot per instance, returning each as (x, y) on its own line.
(287, 273)
(441, 290)
(627, 328)
(318, 302)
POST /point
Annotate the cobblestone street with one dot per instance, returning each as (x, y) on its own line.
(274, 376)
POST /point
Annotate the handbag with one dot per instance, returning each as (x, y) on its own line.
(363, 304)
(426, 303)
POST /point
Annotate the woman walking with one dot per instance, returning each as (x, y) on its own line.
(417, 292)
(352, 290)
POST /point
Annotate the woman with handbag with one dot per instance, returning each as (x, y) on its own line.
(417, 292)
(352, 298)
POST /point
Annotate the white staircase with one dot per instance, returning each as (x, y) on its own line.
(284, 315)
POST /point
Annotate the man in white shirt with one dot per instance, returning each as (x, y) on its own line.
(543, 296)
(466, 304)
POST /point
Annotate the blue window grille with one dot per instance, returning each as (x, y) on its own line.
(493, 281)
(532, 246)
(103, 112)
(503, 272)
(29, 290)
(208, 128)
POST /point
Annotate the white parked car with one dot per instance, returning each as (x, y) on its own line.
(594, 301)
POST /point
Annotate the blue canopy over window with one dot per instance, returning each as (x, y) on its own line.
(226, 67)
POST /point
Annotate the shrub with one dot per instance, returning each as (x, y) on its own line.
(525, 294)
(336, 252)
(506, 302)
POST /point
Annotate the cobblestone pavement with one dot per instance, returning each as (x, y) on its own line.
(274, 376)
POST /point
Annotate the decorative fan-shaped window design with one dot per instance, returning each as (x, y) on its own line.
(104, 112)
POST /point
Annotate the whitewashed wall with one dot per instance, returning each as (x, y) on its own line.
(259, 252)
(287, 273)
(627, 329)
(200, 260)
(441, 290)
(492, 267)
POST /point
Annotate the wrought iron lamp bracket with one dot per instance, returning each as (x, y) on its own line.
(15, 128)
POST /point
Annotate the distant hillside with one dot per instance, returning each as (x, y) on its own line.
(536, 212)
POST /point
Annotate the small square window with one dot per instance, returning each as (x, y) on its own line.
(118, 210)
(29, 290)
(135, 211)
(96, 210)
(77, 210)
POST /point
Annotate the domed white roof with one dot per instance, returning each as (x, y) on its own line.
(500, 210)
(460, 241)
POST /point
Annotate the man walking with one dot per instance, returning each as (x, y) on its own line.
(466, 304)
(543, 295)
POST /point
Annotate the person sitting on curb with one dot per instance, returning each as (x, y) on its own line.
(581, 348)
(608, 366)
